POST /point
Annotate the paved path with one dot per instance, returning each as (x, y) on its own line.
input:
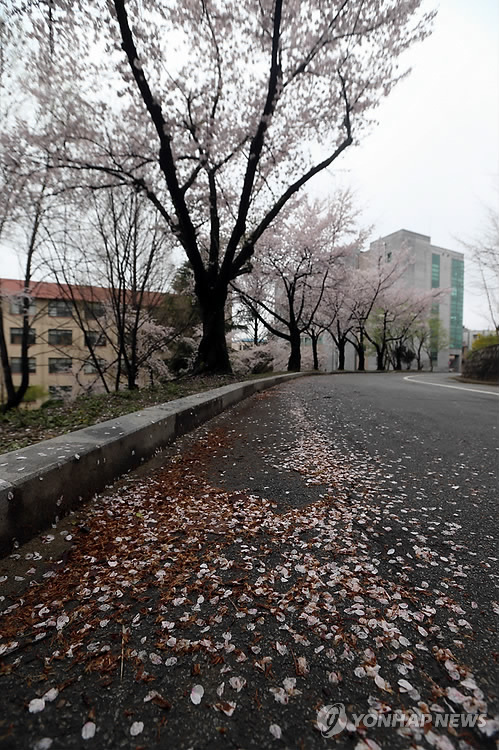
(330, 543)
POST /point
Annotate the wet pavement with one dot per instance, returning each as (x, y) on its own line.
(315, 568)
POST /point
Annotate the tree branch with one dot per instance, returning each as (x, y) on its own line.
(249, 246)
(275, 76)
(187, 232)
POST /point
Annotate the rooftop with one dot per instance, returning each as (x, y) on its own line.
(50, 290)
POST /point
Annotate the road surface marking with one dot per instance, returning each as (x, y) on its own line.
(415, 378)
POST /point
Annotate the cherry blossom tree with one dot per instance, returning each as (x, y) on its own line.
(294, 268)
(332, 314)
(219, 110)
(414, 312)
(343, 302)
(377, 273)
(398, 310)
(429, 336)
(314, 331)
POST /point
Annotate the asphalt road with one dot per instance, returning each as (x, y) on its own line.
(329, 543)
(439, 437)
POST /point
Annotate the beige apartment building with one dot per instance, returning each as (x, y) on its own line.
(61, 318)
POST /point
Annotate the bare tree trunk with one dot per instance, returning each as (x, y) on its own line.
(380, 358)
(361, 352)
(419, 364)
(7, 373)
(294, 361)
(361, 366)
(398, 358)
(315, 340)
(212, 355)
(341, 353)
(16, 395)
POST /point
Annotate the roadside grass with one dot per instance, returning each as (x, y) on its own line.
(22, 427)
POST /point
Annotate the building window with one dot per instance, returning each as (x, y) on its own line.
(60, 391)
(94, 310)
(95, 338)
(16, 364)
(60, 364)
(456, 303)
(435, 271)
(16, 336)
(90, 369)
(60, 308)
(60, 337)
(435, 346)
(16, 306)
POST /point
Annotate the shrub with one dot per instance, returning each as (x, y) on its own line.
(34, 393)
(483, 340)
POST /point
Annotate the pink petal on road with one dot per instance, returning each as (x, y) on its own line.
(88, 730)
(197, 693)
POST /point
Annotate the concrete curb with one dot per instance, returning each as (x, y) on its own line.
(44, 481)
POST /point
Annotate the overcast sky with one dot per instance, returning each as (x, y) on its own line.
(431, 165)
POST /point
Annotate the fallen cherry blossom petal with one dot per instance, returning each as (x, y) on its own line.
(382, 683)
(275, 731)
(88, 730)
(489, 727)
(45, 743)
(237, 683)
(136, 728)
(36, 705)
(197, 693)
(50, 695)
(455, 695)
(405, 686)
(62, 620)
(302, 667)
(280, 695)
(227, 707)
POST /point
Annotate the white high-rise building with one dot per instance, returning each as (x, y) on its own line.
(433, 267)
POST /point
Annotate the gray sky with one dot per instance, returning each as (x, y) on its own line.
(431, 164)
